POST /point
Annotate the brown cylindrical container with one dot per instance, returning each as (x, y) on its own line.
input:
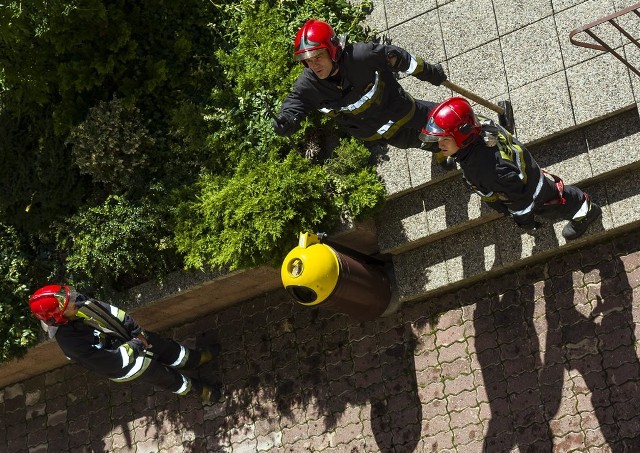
(315, 274)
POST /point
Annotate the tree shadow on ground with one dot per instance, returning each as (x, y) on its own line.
(573, 314)
(591, 328)
(312, 379)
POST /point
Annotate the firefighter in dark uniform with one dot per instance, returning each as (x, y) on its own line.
(356, 84)
(503, 172)
(107, 341)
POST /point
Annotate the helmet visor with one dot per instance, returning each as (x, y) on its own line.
(61, 297)
(305, 55)
(64, 296)
(431, 132)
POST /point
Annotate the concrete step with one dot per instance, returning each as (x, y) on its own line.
(498, 246)
(442, 235)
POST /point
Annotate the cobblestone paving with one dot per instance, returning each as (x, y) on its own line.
(545, 359)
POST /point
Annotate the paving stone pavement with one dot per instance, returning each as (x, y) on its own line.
(544, 359)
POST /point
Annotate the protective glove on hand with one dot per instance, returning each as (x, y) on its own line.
(143, 339)
(137, 346)
(285, 124)
(437, 74)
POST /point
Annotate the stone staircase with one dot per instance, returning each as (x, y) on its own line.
(440, 236)
(575, 108)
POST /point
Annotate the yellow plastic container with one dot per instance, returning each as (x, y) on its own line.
(315, 274)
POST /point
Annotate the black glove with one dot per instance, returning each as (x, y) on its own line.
(137, 346)
(533, 225)
(430, 146)
(285, 124)
(437, 75)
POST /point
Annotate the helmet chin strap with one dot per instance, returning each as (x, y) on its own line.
(335, 67)
(50, 330)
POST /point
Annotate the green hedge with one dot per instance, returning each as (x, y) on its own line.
(18, 328)
(137, 140)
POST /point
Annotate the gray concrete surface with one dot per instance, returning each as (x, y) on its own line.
(517, 51)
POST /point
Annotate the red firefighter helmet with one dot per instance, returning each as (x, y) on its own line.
(452, 118)
(49, 303)
(314, 36)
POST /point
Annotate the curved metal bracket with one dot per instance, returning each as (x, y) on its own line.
(602, 46)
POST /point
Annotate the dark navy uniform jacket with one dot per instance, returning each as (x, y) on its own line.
(95, 340)
(365, 96)
(504, 174)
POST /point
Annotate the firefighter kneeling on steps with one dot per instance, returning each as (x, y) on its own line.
(503, 172)
(107, 341)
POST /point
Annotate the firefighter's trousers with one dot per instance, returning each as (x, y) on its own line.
(167, 357)
(574, 202)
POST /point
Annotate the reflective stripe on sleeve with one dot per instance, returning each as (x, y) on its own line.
(414, 63)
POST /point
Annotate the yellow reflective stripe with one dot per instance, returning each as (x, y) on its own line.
(81, 314)
(140, 366)
(514, 153)
(365, 101)
(416, 64)
(385, 127)
(185, 387)
(389, 129)
(584, 209)
(520, 162)
(361, 104)
(535, 195)
(126, 353)
(117, 313)
(484, 194)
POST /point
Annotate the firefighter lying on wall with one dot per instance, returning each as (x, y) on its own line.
(356, 84)
(107, 341)
(503, 172)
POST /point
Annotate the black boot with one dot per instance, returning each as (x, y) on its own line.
(209, 353)
(212, 393)
(576, 228)
(208, 393)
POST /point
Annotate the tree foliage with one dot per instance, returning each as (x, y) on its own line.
(116, 244)
(137, 139)
(112, 145)
(17, 326)
(250, 218)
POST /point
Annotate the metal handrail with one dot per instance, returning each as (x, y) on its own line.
(601, 44)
